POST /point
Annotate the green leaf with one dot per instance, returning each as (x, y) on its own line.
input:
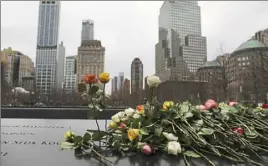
(158, 131)
(190, 153)
(165, 122)
(98, 135)
(207, 131)
(93, 90)
(144, 131)
(78, 139)
(188, 115)
(250, 134)
(177, 116)
(184, 108)
(233, 110)
(90, 106)
(98, 108)
(140, 137)
(199, 122)
(86, 137)
(67, 145)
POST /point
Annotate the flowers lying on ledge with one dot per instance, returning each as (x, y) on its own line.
(229, 131)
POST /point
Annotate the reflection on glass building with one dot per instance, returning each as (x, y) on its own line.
(47, 41)
(181, 49)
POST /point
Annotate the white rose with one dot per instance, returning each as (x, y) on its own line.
(174, 148)
(136, 116)
(116, 118)
(121, 114)
(170, 136)
(129, 111)
(153, 81)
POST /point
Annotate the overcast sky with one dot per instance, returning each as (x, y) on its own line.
(130, 29)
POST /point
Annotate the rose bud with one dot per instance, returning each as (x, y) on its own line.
(238, 130)
(210, 104)
(122, 125)
(232, 103)
(147, 149)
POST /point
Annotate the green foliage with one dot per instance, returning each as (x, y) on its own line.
(92, 90)
(98, 135)
(144, 131)
(231, 132)
(86, 137)
(158, 130)
(190, 153)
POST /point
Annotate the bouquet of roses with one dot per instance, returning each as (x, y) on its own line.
(231, 131)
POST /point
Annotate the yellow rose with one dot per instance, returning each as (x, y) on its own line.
(167, 105)
(104, 77)
(132, 134)
(69, 134)
(112, 125)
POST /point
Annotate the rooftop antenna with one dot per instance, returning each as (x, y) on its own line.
(221, 49)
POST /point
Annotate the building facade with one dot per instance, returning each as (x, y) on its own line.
(247, 72)
(69, 74)
(136, 76)
(26, 68)
(223, 59)
(87, 32)
(17, 65)
(212, 73)
(114, 85)
(261, 36)
(47, 46)
(181, 49)
(60, 67)
(90, 59)
(28, 83)
(7, 58)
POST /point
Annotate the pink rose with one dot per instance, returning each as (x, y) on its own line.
(202, 107)
(238, 130)
(232, 103)
(147, 149)
(210, 104)
(122, 125)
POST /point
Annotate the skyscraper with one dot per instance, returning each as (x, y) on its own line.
(136, 76)
(69, 76)
(60, 66)
(87, 30)
(47, 45)
(181, 49)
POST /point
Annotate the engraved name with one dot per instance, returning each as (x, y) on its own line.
(16, 133)
(30, 126)
(30, 143)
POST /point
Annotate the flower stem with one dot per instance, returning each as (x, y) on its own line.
(97, 153)
(185, 160)
(103, 102)
(204, 157)
(94, 107)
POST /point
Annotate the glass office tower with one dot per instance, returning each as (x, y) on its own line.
(181, 49)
